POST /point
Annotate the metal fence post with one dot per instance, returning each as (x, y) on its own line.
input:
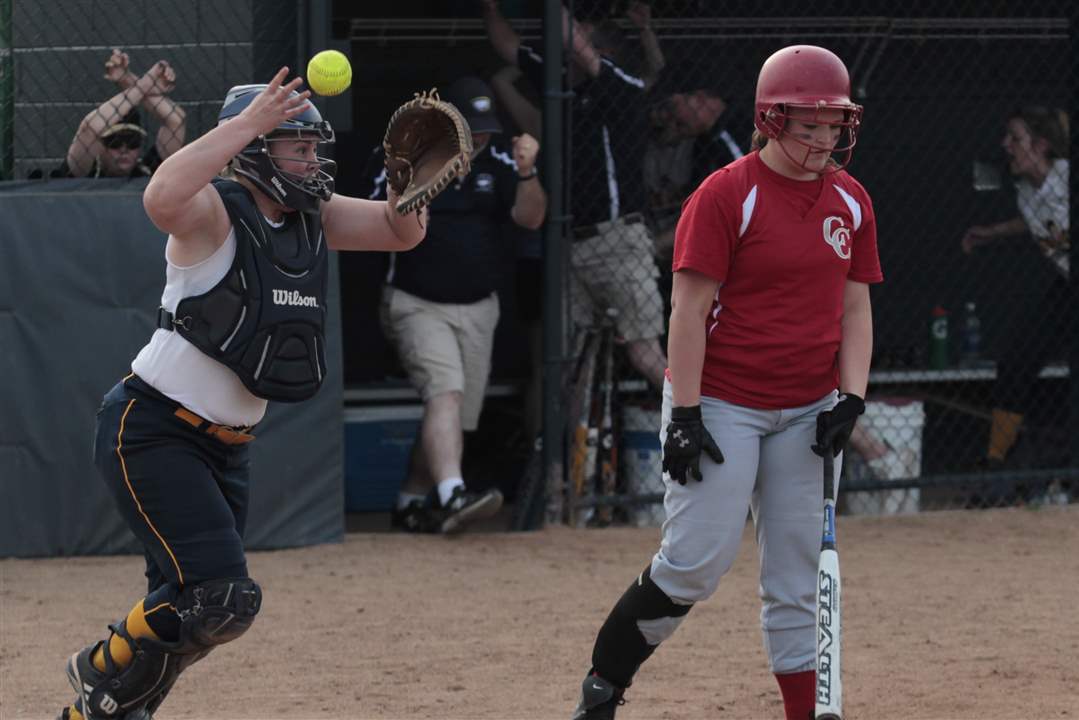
(553, 345)
(7, 92)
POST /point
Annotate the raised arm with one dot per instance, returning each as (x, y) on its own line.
(503, 38)
(530, 203)
(170, 116)
(640, 14)
(584, 53)
(180, 200)
(526, 115)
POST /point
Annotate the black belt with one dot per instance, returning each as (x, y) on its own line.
(583, 232)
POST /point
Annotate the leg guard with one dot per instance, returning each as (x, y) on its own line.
(643, 618)
(212, 613)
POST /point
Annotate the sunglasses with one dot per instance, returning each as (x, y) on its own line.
(123, 141)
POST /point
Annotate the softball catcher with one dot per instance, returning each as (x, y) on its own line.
(241, 323)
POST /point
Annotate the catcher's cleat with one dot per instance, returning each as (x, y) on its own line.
(465, 507)
(416, 517)
(84, 678)
(599, 699)
(66, 714)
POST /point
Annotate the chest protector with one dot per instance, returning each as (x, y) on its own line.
(265, 320)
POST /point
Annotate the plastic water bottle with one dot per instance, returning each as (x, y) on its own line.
(970, 352)
(938, 339)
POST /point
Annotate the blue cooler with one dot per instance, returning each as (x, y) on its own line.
(378, 441)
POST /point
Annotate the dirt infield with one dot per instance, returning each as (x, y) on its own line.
(947, 615)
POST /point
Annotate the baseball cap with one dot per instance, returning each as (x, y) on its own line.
(123, 129)
(128, 129)
(475, 99)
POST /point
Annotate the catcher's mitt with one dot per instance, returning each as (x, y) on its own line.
(428, 144)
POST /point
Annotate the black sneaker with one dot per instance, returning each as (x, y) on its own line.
(416, 517)
(599, 699)
(465, 507)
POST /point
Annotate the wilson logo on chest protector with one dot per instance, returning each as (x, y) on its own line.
(293, 297)
(837, 235)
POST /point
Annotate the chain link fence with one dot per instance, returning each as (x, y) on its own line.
(110, 88)
(964, 149)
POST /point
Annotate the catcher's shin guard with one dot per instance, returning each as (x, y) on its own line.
(212, 613)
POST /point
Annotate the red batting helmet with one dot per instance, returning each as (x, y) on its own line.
(811, 77)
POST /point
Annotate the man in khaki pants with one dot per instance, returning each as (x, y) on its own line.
(439, 309)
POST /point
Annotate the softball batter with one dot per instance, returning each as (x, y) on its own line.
(770, 342)
(241, 322)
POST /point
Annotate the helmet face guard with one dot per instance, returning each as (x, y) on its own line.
(773, 121)
(810, 77)
(258, 163)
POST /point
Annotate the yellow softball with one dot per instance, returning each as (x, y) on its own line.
(329, 73)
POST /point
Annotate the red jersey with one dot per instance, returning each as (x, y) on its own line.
(783, 250)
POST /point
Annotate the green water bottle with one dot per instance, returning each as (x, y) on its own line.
(938, 339)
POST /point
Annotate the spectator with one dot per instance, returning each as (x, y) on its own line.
(701, 113)
(691, 140)
(1036, 145)
(109, 141)
(611, 256)
(440, 309)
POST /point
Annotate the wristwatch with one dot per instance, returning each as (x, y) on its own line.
(534, 173)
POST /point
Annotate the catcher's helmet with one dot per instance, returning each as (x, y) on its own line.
(256, 162)
(810, 77)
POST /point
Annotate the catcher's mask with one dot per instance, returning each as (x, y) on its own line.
(809, 77)
(258, 164)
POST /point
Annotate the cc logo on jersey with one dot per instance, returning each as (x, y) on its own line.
(837, 235)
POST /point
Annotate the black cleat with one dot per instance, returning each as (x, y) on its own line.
(84, 677)
(599, 699)
(416, 517)
(465, 507)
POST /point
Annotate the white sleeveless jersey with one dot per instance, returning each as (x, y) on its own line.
(176, 368)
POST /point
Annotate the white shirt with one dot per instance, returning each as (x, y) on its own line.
(178, 369)
(1049, 203)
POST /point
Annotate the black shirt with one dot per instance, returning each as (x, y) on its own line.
(608, 131)
(460, 258)
(716, 148)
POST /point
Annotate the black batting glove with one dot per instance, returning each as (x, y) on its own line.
(686, 438)
(835, 426)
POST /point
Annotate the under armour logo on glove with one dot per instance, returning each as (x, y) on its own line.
(686, 438)
(835, 426)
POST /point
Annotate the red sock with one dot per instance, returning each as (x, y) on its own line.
(799, 694)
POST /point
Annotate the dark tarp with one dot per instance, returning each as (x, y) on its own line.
(81, 274)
